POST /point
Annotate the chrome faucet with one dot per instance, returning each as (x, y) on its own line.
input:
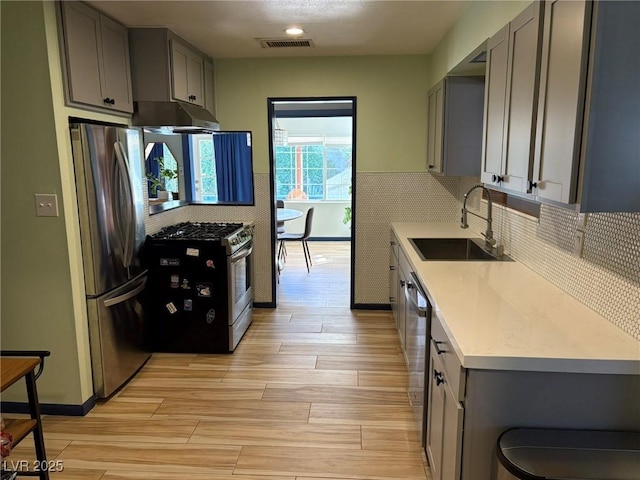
(489, 241)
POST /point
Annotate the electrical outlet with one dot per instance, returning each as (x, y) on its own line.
(578, 244)
(46, 205)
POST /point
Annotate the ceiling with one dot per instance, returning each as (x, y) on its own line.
(229, 28)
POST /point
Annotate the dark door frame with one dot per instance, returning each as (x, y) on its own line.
(272, 193)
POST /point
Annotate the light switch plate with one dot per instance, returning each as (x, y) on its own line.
(46, 205)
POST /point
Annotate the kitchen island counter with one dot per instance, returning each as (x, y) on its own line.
(500, 315)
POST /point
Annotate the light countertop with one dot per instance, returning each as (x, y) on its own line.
(504, 316)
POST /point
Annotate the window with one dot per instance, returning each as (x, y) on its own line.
(206, 183)
(317, 162)
(313, 172)
(170, 163)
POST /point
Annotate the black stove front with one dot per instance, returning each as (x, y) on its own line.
(192, 297)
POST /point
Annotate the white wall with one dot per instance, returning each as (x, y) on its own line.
(327, 219)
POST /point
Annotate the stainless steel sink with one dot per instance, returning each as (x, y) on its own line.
(454, 249)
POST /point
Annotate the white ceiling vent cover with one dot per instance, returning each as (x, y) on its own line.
(285, 42)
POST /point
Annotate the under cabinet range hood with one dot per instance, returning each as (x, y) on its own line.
(173, 117)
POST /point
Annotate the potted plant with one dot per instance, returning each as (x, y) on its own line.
(158, 182)
(347, 212)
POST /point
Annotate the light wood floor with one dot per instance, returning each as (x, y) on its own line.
(313, 391)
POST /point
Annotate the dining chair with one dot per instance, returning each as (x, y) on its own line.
(281, 229)
(300, 237)
(280, 225)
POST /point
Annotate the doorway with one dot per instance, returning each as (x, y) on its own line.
(312, 164)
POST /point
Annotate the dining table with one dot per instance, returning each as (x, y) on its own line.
(286, 214)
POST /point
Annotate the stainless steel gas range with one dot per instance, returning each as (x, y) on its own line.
(200, 293)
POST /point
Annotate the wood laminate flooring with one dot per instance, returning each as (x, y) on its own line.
(314, 391)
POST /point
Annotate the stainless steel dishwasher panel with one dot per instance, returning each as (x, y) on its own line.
(418, 331)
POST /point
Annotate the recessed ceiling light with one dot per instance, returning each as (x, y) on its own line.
(294, 31)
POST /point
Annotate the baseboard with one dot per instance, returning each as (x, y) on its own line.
(264, 305)
(329, 239)
(371, 306)
(51, 408)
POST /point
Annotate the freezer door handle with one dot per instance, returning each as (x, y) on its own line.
(124, 171)
(126, 296)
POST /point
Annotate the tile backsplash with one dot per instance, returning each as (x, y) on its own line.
(606, 278)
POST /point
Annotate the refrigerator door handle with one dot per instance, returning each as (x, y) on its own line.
(129, 232)
(126, 296)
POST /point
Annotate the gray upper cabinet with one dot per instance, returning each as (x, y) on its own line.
(96, 50)
(165, 67)
(588, 130)
(209, 88)
(511, 101)
(454, 140)
(187, 70)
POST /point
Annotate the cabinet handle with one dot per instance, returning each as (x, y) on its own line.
(402, 282)
(107, 100)
(392, 267)
(409, 285)
(438, 377)
(393, 244)
(532, 184)
(392, 299)
(497, 178)
(431, 166)
(436, 344)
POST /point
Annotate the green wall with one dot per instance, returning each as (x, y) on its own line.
(37, 307)
(479, 21)
(391, 96)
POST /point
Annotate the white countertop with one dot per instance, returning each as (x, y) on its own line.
(504, 316)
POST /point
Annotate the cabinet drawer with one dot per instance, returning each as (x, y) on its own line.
(443, 350)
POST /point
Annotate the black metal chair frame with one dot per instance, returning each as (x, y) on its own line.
(300, 237)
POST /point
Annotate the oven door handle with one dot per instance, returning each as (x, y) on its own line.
(240, 254)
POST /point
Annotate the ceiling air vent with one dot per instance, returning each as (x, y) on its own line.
(285, 42)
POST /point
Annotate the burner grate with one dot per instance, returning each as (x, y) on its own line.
(198, 231)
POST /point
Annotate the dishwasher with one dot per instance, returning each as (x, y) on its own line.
(418, 332)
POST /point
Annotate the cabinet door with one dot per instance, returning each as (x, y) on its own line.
(394, 281)
(444, 424)
(117, 72)
(561, 103)
(179, 68)
(434, 137)
(435, 417)
(84, 53)
(402, 308)
(195, 79)
(494, 107)
(522, 96)
(209, 88)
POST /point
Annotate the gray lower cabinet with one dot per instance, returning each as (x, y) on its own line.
(588, 140)
(444, 422)
(469, 408)
(511, 102)
(455, 126)
(96, 50)
(393, 277)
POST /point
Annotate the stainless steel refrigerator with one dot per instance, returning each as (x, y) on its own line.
(109, 183)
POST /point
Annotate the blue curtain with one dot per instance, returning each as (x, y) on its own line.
(233, 167)
(151, 164)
